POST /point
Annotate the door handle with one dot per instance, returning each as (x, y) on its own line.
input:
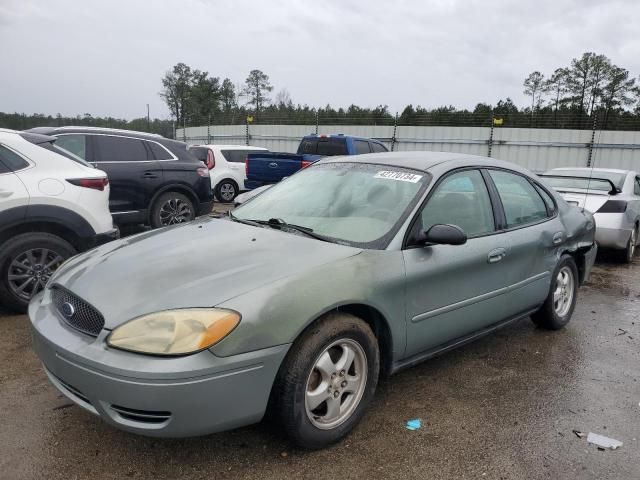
(496, 255)
(149, 175)
(5, 193)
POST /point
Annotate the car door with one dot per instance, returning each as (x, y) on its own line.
(454, 290)
(534, 232)
(134, 173)
(13, 193)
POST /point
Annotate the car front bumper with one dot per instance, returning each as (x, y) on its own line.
(154, 396)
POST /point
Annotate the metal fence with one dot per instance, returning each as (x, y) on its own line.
(538, 149)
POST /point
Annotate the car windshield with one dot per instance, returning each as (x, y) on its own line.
(350, 203)
(588, 179)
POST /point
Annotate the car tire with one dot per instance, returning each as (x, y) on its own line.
(226, 191)
(628, 254)
(171, 208)
(557, 309)
(312, 372)
(30, 258)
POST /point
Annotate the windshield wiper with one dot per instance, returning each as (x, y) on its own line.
(279, 224)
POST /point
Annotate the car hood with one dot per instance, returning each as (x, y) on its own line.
(201, 264)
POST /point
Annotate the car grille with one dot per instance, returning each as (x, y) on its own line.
(76, 312)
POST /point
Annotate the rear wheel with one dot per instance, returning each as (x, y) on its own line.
(171, 208)
(27, 262)
(327, 381)
(557, 309)
(630, 251)
(226, 191)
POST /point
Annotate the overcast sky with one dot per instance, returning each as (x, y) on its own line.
(108, 57)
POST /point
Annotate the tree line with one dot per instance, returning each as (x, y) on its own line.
(590, 88)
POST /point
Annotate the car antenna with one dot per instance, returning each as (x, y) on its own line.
(593, 162)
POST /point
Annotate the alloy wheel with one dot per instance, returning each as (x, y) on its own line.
(563, 294)
(632, 245)
(174, 211)
(336, 384)
(227, 192)
(30, 271)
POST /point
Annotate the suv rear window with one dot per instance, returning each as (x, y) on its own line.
(119, 149)
(323, 146)
(11, 160)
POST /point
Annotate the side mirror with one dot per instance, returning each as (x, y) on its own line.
(445, 235)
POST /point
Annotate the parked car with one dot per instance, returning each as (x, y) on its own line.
(269, 168)
(613, 196)
(50, 208)
(154, 181)
(226, 167)
(355, 268)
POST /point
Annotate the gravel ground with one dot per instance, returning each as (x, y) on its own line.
(503, 407)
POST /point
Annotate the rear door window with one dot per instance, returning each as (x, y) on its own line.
(12, 161)
(159, 152)
(522, 203)
(361, 147)
(74, 143)
(119, 149)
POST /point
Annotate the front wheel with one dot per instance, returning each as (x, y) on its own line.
(27, 261)
(171, 208)
(327, 381)
(557, 309)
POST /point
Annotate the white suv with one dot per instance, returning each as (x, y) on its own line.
(52, 205)
(226, 167)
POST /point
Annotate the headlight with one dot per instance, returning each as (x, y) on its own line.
(175, 332)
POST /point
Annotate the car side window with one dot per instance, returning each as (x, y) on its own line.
(235, 156)
(636, 186)
(119, 149)
(12, 161)
(461, 199)
(159, 153)
(551, 205)
(377, 148)
(361, 147)
(522, 203)
(74, 143)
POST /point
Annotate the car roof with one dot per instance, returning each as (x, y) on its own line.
(340, 135)
(423, 161)
(81, 129)
(229, 147)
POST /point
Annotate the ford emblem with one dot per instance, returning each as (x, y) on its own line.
(273, 165)
(67, 310)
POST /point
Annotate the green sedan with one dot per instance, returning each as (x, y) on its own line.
(303, 297)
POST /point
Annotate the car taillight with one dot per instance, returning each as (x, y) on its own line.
(246, 167)
(203, 171)
(305, 164)
(211, 159)
(93, 183)
(613, 206)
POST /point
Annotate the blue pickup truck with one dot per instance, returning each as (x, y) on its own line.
(268, 168)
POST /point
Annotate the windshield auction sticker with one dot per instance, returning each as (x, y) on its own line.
(401, 176)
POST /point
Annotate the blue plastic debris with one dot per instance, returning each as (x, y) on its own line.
(414, 424)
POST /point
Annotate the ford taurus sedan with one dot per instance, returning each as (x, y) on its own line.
(306, 294)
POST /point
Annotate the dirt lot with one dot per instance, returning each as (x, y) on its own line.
(501, 408)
